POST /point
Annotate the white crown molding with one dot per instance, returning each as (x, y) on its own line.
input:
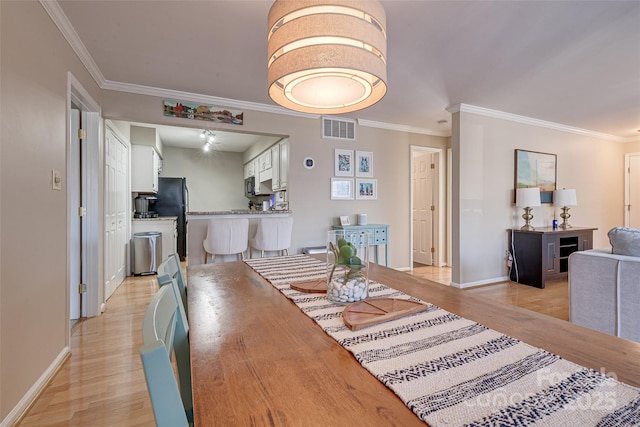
(197, 97)
(69, 33)
(466, 108)
(255, 106)
(402, 128)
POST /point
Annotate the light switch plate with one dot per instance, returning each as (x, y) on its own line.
(56, 180)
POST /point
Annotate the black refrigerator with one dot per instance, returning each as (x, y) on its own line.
(173, 200)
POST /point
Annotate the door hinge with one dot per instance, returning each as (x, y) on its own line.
(82, 211)
(433, 165)
(82, 134)
(82, 288)
(433, 208)
(433, 250)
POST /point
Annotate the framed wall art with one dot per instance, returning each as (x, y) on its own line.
(195, 111)
(344, 162)
(364, 164)
(534, 169)
(366, 189)
(342, 189)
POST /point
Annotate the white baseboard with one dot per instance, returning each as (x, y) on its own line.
(26, 401)
(479, 282)
(403, 268)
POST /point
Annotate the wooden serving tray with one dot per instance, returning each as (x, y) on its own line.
(379, 310)
(314, 286)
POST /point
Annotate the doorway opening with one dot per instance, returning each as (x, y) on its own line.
(84, 189)
(632, 190)
(427, 206)
(76, 232)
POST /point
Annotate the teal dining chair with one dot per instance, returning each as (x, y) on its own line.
(166, 280)
(162, 333)
(171, 268)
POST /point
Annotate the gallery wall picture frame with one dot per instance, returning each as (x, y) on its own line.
(344, 162)
(364, 164)
(535, 169)
(366, 189)
(342, 188)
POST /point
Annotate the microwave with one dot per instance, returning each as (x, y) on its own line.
(250, 186)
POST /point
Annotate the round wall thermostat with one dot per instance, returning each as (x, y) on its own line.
(309, 162)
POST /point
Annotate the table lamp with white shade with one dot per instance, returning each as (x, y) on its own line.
(527, 198)
(565, 198)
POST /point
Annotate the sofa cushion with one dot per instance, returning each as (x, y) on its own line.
(625, 241)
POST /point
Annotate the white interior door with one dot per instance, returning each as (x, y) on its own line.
(632, 192)
(422, 209)
(116, 178)
(110, 213)
(75, 226)
(122, 209)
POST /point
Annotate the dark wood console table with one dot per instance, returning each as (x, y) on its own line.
(543, 253)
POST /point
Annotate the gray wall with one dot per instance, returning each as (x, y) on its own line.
(215, 178)
(483, 182)
(34, 307)
(309, 190)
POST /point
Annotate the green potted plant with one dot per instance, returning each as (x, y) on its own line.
(348, 279)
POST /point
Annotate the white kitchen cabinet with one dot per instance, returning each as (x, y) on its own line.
(284, 164)
(250, 169)
(145, 165)
(167, 226)
(275, 167)
(280, 165)
(263, 182)
(265, 161)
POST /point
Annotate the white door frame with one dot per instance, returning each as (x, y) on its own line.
(627, 187)
(439, 234)
(92, 200)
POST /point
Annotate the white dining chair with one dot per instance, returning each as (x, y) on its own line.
(226, 237)
(272, 235)
(162, 334)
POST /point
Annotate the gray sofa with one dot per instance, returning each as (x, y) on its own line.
(604, 287)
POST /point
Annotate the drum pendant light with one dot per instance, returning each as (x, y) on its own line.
(327, 57)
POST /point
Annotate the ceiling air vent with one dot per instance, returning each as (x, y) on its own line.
(338, 129)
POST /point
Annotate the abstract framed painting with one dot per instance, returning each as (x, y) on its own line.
(341, 188)
(364, 164)
(534, 169)
(366, 189)
(344, 162)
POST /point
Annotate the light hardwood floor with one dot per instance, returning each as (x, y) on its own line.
(102, 383)
(553, 300)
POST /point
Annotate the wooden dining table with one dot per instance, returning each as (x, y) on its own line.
(257, 360)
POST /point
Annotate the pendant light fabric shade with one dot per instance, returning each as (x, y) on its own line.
(327, 57)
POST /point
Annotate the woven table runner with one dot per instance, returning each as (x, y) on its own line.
(451, 371)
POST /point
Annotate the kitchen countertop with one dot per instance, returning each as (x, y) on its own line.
(160, 218)
(239, 212)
